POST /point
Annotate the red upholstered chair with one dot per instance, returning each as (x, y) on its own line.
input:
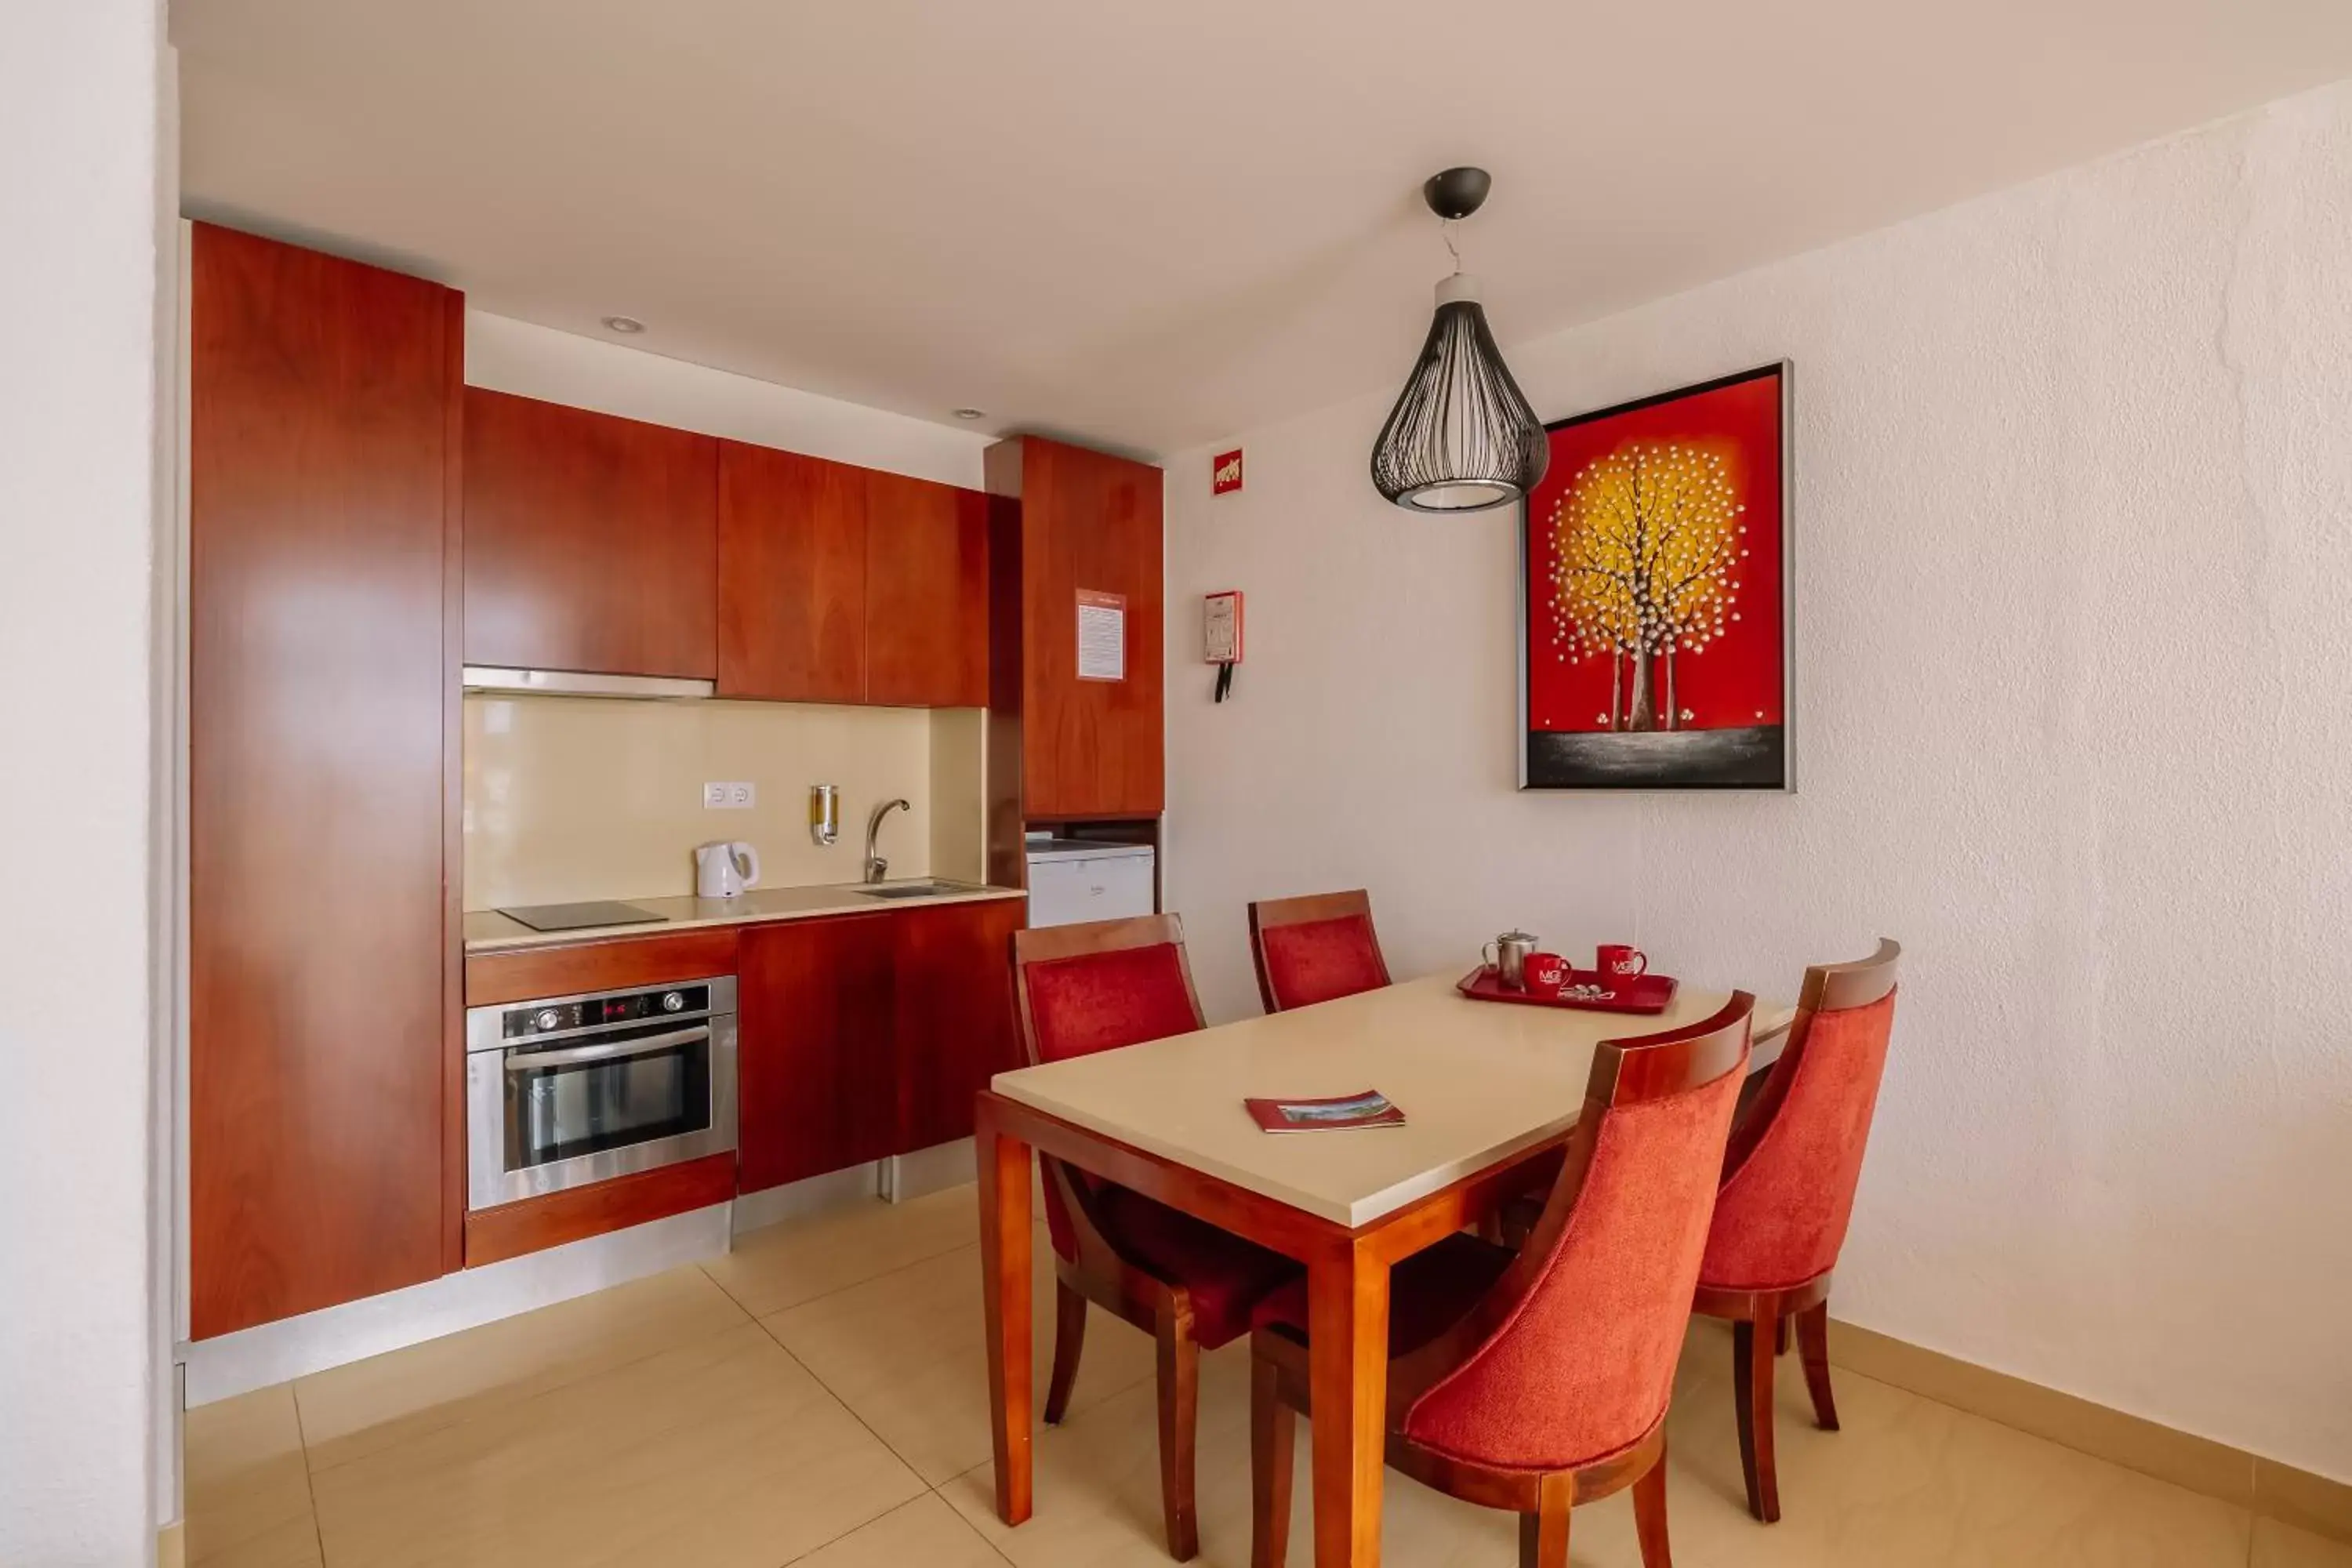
(1315, 948)
(1097, 987)
(1539, 1379)
(1789, 1179)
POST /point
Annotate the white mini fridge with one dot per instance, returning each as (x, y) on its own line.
(1071, 881)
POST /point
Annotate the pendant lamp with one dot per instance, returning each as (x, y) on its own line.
(1461, 437)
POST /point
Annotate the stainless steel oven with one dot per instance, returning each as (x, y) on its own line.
(571, 1089)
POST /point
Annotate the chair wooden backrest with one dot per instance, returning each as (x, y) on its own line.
(1570, 1356)
(1795, 1159)
(1096, 986)
(1315, 948)
(1146, 948)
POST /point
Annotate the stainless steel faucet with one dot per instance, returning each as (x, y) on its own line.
(878, 867)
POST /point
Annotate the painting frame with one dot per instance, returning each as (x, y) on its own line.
(1545, 776)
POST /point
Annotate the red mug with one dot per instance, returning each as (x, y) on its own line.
(1619, 962)
(1544, 972)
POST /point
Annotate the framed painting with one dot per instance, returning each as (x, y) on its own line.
(1654, 625)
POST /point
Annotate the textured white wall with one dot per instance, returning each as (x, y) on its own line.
(507, 356)
(2074, 525)
(79, 117)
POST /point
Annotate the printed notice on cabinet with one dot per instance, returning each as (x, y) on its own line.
(1102, 635)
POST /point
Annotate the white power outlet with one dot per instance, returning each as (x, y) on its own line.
(714, 796)
(742, 796)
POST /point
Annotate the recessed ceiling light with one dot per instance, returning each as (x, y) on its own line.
(971, 413)
(624, 324)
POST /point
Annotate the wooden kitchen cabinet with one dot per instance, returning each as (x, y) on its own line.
(591, 543)
(865, 1036)
(952, 1025)
(323, 965)
(1069, 522)
(791, 576)
(926, 594)
(816, 1018)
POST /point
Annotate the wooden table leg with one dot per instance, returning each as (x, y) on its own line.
(1004, 1242)
(1348, 1373)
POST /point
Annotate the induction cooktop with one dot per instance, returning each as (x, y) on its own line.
(581, 917)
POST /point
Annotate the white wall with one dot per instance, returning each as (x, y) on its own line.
(507, 356)
(80, 119)
(2074, 526)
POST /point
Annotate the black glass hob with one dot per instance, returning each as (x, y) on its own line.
(581, 917)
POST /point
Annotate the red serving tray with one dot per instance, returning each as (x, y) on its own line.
(1643, 993)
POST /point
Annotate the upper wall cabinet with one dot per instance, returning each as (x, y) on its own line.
(323, 399)
(926, 594)
(590, 542)
(791, 576)
(1072, 524)
(843, 585)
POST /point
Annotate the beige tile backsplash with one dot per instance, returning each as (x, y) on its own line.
(569, 797)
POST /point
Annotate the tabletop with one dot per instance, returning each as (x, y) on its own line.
(1478, 1081)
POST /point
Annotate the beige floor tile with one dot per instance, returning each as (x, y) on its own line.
(799, 1260)
(1906, 1482)
(294, 1544)
(2279, 1545)
(926, 1532)
(655, 1423)
(722, 1453)
(1098, 1480)
(244, 1477)
(908, 1353)
(369, 1405)
(1910, 1480)
(1097, 1493)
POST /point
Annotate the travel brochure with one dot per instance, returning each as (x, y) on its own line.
(1370, 1109)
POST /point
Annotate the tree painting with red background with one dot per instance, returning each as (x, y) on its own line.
(1653, 565)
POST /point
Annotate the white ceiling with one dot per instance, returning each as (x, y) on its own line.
(1151, 224)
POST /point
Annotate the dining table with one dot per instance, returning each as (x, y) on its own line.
(1490, 1092)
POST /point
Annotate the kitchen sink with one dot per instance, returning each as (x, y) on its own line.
(917, 889)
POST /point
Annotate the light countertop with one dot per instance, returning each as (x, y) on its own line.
(486, 930)
(1478, 1081)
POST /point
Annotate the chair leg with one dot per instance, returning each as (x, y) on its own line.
(1543, 1534)
(1273, 1430)
(1650, 1514)
(1813, 1339)
(1779, 1336)
(1069, 1343)
(1751, 1396)
(1180, 1397)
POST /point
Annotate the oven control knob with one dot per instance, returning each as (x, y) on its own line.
(672, 1001)
(547, 1018)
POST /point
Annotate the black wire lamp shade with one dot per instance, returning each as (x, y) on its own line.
(1461, 437)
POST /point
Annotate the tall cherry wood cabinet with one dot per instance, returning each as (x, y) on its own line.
(1069, 524)
(325, 979)
(591, 543)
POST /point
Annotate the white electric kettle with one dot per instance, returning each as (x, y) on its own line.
(723, 870)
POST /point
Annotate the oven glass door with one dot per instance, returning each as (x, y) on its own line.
(632, 1087)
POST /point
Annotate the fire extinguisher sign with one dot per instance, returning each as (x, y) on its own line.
(1225, 472)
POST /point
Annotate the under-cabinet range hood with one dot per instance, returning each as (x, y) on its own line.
(575, 683)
